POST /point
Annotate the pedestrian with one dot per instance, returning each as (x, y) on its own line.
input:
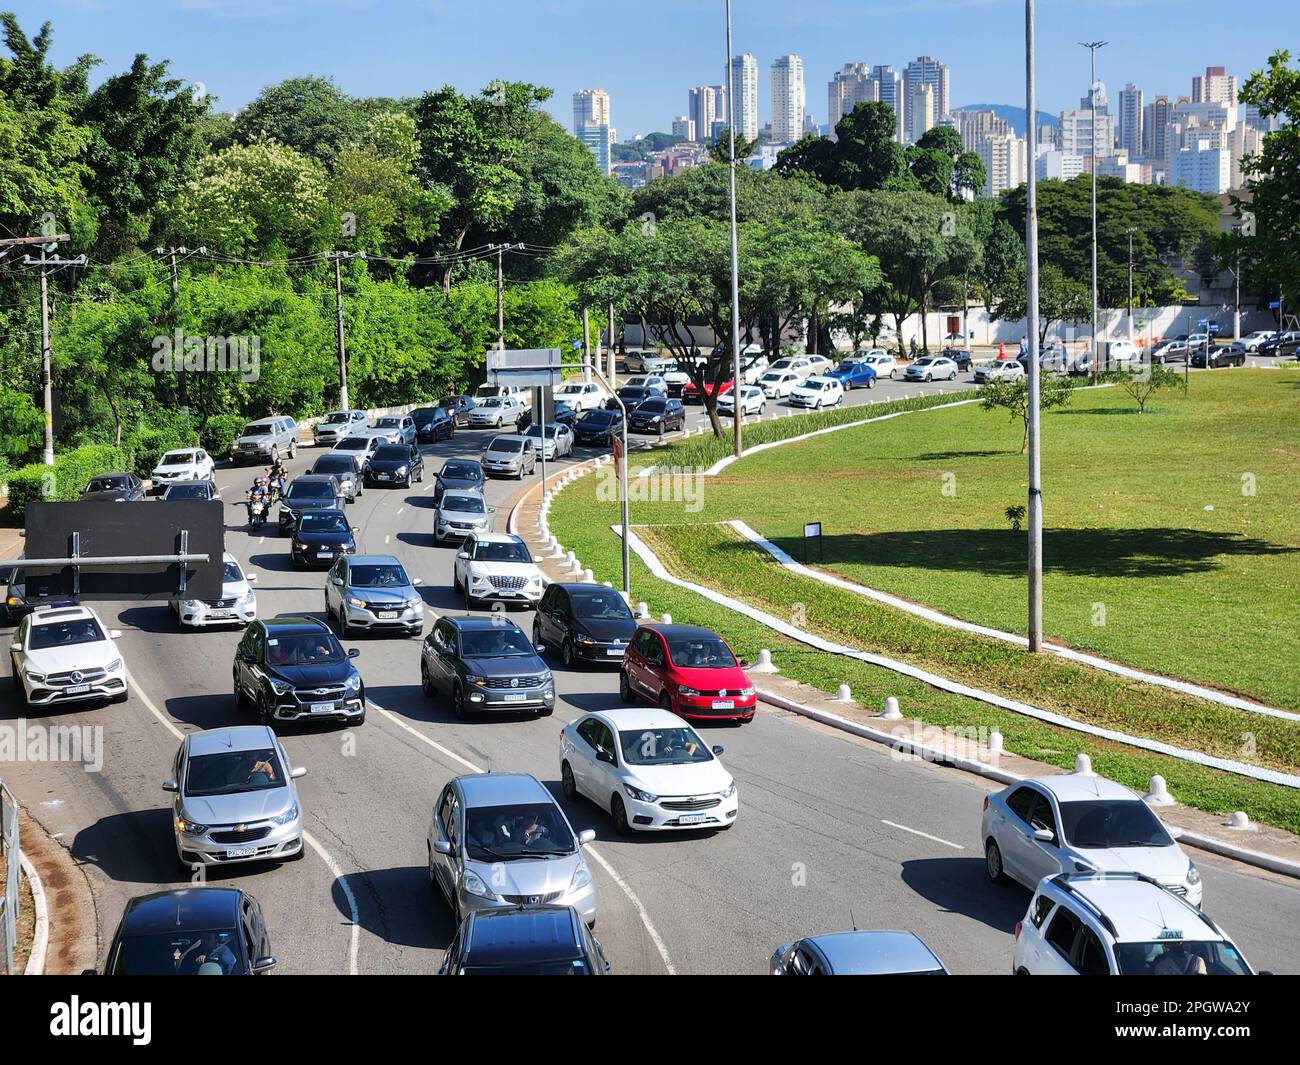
(913, 347)
(1002, 349)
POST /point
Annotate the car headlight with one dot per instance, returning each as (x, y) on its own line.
(189, 604)
(114, 665)
(401, 471)
(190, 828)
(416, 601)
(586, 641)
(474, 885)
(353, 682)
(639, 795)
(581, 878)
(280, 686)
(745, 693)
(353, 601)
(728, 791)
(250, 597)
(285, 818)
(482, 580)
(683, 690)
(1193, 874)
(34, 677)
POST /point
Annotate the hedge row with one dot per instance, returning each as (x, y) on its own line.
(63, 481)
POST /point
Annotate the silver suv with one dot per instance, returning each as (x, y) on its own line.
(263, 441)
(500, 840)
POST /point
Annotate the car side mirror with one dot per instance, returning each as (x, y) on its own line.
(586, 836)
(717, 750)
(604, 756)
(114, 634)
(415, 581)
(745, 663)
(442, 846)
(354, 652)
(170, 785)
(15, 647)
(251, 578)
(1044, 835)
(462, 554)
(264, 964)
(538, 558)
(298, 771)
(539, 647)
(356, 528)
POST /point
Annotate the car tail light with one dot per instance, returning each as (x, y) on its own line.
(1019, 925)
(986, 802)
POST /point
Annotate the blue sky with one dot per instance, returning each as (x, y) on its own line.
(648, 53)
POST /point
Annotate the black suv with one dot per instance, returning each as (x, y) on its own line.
(586, 622)
(528, 941)
(311, 491)
(194, 931)
(319, 537)
(433, 424)
(295, 669)
(398, 464)
(657, 415)
(485, 664)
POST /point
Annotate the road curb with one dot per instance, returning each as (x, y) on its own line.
(41, 932)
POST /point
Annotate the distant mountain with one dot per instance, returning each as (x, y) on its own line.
(1015, 116)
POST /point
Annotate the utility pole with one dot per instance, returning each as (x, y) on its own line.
(613, 358)
(1031, 275)
(586, 345)
(1236, 277)
(1092, 47)
(1130, 231)
(737, 410)
(48, 243)
(501, 249)
(171, 254)
(338, 258)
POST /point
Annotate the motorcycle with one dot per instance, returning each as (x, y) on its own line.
(256, 513)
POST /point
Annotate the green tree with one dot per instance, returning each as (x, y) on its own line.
(1143, 382)
(863, 156)
(1012, 396)
(311, 115)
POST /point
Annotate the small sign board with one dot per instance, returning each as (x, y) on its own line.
(812, 531)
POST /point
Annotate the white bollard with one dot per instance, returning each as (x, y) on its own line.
(587, 576)
(1158, 792)
(1239, 822)
(571, 560)
(643, 610)
(667, 619)
(892, 711)
(843, 694)
(1083, 765)
(764, 663)
(995, 742)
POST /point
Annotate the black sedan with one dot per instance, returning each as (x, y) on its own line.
(194, 931)
(597, 428)
(632, 395)
(960, 356)
(319, 537)
(114, 488)
(658, 416)
(189, 490)
(1281, 344)
(1221, 356)
(397, 464)
(433, 424)
(458, 407)
(583, 622)
(458, 474)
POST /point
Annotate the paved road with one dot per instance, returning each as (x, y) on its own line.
(812, 850)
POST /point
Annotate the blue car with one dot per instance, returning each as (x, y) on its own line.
(853, 374)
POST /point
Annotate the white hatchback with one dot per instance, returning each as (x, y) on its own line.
(817, 392)
(879, 360)
(777, 384)
(649, 769)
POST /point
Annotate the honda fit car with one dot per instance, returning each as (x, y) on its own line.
(688, 670)
(528, 941)
(500, 840)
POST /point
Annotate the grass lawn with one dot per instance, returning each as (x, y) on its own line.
(1135, 567)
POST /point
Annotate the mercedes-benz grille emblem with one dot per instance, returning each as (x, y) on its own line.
(76, 676)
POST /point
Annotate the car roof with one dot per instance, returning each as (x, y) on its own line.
(311, 478)
(502, 789)
(262, 421)
(1078, 787)
(497, 538)
(189, 908)
(637, 717)
(1138, 908)
(680, 630)
(477, 622)
(513, 437)
(53, 614)
(531, 934)
(293, 625)
(374, 560)
(230, 738)
(872, 953)
(110, 473)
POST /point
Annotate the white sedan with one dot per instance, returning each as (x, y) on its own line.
(649, 769)
(581, 395)
(931, 368)
(237, 605)
(817, 392)
(63, 654)
(999, 370)
(190, 464)
(820, 363)
(777, 384)
(797, 364)
(879, 360)
(752, 401)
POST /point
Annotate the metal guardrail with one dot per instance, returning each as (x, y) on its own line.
(12, 854)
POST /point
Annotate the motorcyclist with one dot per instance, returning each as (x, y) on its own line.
(276, 475)
(260, 491)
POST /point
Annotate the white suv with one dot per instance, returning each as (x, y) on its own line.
(190, 464)
(497, 567)
(1119, 924)
(63, 654)
(1073, 823)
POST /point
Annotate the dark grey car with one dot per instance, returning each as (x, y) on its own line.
(114, 488)
(346, 468)
(485, 665)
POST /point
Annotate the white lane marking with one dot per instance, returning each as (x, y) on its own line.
(387, 539)
(926, 835)
(307, 837)
(626, 888)
(401, 508)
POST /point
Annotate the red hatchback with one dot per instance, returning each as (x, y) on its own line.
(688, 670)
(691, 394)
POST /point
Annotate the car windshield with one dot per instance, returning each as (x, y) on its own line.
(700, 652)
(388, 423)
(923, 362)
(535, 431)
(496, 642)
(186, 491)
(353, 443)
(231, 772)
(501, 551)
(506, 445)
(177, 458)
(500, 833)
(230, 573)
(600, 606)
(663, 746)
(337, 418)
(178, 953)
(653, 406)
(491, 401)
(463, 504)
(323, 523)
(378, 575)
(426, 414)
(65, 633)
(1098, 824)
(1178, 957)
(391, 453)
(336, 464)
(258, 429)
(106, 484)
(462, 471)
(597, 417)
(310, 490)
(309, 649)
(847, 365)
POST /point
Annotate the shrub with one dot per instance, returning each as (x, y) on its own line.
(63, 481)
(147, 445)
(219, 432)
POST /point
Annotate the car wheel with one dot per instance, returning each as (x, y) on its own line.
(892, 374)
(871, 382)
(624, 689)
(566, 653)
(458, 706)
(619, 812)
(266, 711)
(567, 783)
(426, 682)
(666, 703)
(993, 863)
(241, 700)
(929, 378)
(293, 448)
(537, 632)
(469, 599)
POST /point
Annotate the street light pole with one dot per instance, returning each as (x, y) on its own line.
(1031, 276)
(738, 413)
(1092, 47)
(1130, 231)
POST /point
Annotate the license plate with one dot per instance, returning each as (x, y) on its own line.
(690, 819)
(240, 852)
(383, 476)
(322, 708)
(614, 652)
(724, 704)
(221, 615)
(506, 592)
(324, 553)
(75, 688)
(387, 615)
(514, 697)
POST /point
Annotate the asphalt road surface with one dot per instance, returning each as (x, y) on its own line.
(832, 832)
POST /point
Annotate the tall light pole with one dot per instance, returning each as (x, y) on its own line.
(735, 250)
(1129, 232)
(1031, 303)
(1092, 47)
(1236, 277)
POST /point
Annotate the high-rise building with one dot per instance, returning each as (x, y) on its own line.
(1004, 159)
(591, 108)
(921, 109)
(1204, 167)
(1214, 87)
(705, 108)
(925, 70)
(1155, 130)
(599, 141)
(789, 99)
(851, 86)
(1246, 140)
(976, 125)
(684, 128)
(742, 92)
(889, 90)
(1076, 132)
(1130, 120)
(1055, 164)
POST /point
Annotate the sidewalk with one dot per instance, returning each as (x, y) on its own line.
(73, 943)
(774, 689)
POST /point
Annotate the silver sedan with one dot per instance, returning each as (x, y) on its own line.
(558, 442)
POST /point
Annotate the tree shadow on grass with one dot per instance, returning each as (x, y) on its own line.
(1153, 552)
